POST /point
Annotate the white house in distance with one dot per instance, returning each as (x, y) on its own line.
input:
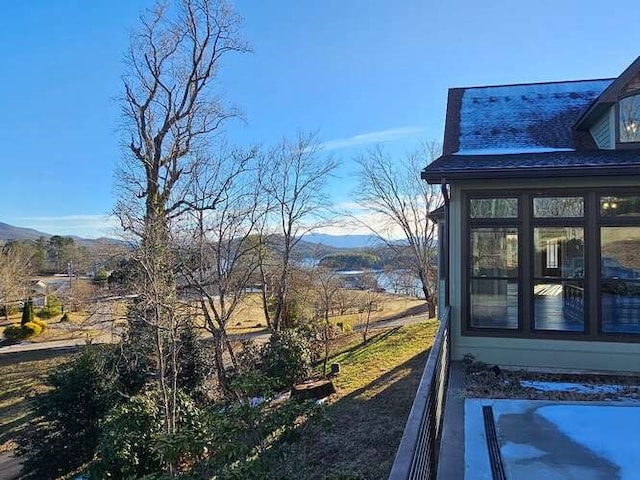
(540, 239)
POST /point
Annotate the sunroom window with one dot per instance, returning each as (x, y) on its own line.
(629, 112)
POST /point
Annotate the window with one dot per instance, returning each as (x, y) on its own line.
(620, 279)
(620, 206)
(558, 286)
(494, 278)
(553, 207)
(494, 208)
(629, 114)
(563, 264)
(493, 263)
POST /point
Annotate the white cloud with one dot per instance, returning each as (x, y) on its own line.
(369, 138)
(353, 219)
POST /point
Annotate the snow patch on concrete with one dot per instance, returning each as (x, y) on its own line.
(609, 431)
(545, 386)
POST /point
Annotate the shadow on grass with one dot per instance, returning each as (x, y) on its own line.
(409, 312)
(14, 358)
(364, 430)
(9, 430)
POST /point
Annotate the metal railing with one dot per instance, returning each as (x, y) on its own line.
(417, 455)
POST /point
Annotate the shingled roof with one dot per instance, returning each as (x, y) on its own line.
(517, 118)
(528, 165)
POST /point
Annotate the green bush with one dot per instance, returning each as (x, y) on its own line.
(133, 442)
(49, 311)
(14, 332)
(27, 312)
(21, 332)
(125, 448)
(195, 362)
(286, 358)
(70, 415)
(101, 277)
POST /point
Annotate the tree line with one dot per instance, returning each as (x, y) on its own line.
(206, 221)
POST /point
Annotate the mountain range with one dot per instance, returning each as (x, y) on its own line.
(10, 232)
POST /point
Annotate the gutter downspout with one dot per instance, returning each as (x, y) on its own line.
(445, 250)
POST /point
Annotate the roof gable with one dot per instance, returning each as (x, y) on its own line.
(517, 118)
(628, 81)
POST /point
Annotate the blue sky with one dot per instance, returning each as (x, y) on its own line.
(358, 72)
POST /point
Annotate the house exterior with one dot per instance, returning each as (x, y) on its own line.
(38, 293)
(540, 234)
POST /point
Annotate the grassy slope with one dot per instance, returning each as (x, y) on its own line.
(376, 387)
(21, 376)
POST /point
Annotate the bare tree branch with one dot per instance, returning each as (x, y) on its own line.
(393, 192)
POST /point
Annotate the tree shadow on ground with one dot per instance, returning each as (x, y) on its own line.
(363, 433)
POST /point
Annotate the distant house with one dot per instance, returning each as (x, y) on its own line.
(38, 293)
(540, 235)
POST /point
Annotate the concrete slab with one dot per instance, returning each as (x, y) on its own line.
(555, 440)
(451, 457)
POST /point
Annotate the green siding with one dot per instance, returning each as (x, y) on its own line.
(603, 132)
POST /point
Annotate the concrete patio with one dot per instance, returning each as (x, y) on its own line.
(539, 439)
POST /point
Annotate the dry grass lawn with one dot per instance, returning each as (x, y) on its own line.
(249, 317)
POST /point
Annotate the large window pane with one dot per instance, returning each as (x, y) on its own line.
(630, 119)
(494, 252)
(552, 207)
(620, 306)
(620, 284)
(493, 208)
(620, 252)
(620, 206)
(558, 252)
(494, 303)
(559, 305)
(494, 278)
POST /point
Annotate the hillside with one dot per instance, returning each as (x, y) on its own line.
(11, 232)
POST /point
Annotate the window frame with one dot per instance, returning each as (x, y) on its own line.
(620, 145)
(591, 222)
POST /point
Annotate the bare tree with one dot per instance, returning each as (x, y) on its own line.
(171, 113)
(369, 302)
(327, 285)
(295, 187)
(393, 191)
(14, 274)
(222, 250)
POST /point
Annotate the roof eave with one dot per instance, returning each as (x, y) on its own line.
(436, 176)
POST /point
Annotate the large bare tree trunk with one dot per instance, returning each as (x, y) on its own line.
(171, 114)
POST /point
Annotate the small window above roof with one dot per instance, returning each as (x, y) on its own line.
(629, 116)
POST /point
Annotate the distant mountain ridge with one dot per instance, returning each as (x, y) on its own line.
(11, 232)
